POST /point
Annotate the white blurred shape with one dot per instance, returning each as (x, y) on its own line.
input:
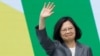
(16, 4)
(95, 4)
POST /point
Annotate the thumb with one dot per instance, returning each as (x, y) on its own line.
(51, 13)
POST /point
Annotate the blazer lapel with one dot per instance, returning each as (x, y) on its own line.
(79, 49)
(68, 52)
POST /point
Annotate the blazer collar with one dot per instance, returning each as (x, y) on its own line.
(79, 49)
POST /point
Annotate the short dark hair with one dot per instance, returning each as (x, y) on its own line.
(58, 26)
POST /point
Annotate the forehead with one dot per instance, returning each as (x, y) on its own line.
(67, 24)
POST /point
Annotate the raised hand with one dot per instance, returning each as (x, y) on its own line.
(47, 10)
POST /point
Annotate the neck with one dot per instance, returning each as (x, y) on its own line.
(70, 44)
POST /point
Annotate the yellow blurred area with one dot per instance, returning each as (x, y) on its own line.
(14, 36)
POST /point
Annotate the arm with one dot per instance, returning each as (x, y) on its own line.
(46, 43)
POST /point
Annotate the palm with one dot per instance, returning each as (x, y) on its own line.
(47, 10)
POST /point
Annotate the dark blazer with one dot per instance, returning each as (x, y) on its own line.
(55, 48)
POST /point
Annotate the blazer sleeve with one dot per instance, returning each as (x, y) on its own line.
(90, 52)
(46, 43)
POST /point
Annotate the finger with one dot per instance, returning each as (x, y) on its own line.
(44, 5)
(48, 5)
(52, 8)
(51, 13)
(51, 4)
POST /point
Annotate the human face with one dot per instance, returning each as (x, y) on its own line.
(67, 31)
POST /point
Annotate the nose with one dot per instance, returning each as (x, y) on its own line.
(67, 31)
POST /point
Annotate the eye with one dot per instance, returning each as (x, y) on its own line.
(70, 28)
(63, 29)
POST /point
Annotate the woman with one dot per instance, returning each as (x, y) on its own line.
(66, 34)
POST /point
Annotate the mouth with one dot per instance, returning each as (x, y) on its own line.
(68, 35)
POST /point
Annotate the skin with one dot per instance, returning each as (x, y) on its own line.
(46, 12)
(68, 33)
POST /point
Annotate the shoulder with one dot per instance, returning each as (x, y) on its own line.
(83, 46)
(57, 43)
(85, 49)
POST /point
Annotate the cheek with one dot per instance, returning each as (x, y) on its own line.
(74, 31)
(74, 34)
(61, 34)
